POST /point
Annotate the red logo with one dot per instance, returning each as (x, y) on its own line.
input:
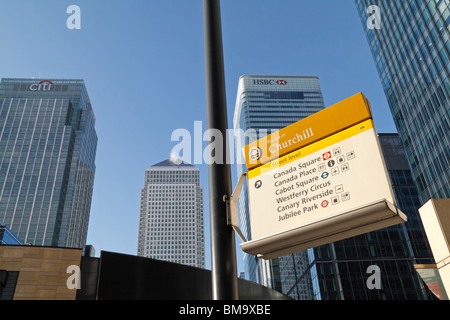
(324, 204)
(327, 155)
(282, 82)
(48, 81)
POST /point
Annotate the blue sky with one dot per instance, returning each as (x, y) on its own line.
(143, 64)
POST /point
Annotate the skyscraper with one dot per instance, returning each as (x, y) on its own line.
(48, 144)
(171, 224)
(410, 45)
(265, 104)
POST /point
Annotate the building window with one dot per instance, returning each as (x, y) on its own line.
(8, 281)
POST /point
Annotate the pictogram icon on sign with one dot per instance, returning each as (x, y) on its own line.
(255, 153)
(331, 163)
(325, 175)
(324, 204)
(350, 155)
(335, 171)
(337, 152)
(335, 200)
(326, 155)
(345, 196)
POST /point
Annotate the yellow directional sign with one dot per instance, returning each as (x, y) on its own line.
(334, 188)
(311, 129)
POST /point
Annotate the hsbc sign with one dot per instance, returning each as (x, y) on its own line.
(44, 85)
(268, 82)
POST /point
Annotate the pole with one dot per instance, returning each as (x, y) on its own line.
(223, 255)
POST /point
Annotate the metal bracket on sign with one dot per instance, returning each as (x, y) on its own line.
(232, 207)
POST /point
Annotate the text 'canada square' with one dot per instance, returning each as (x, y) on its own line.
(317, 181)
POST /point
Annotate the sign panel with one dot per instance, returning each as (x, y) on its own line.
(435, 216)
(311, 129)
(430, 275)
(332, 189)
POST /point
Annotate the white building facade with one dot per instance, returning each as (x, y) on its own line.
(171, 222)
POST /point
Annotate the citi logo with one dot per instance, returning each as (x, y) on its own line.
(269, 82)
(44, 85)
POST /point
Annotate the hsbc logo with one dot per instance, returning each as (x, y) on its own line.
(44, 85)
(266, 82)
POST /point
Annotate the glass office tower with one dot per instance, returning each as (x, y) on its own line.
(265, 104)
(171, 224)
(47, 160)
(339, 271)
(411, 50)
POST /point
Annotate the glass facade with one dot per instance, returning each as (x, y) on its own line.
(171, 222)
(411, 50)
(47, 160)
(266, 104)
(406, 195)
